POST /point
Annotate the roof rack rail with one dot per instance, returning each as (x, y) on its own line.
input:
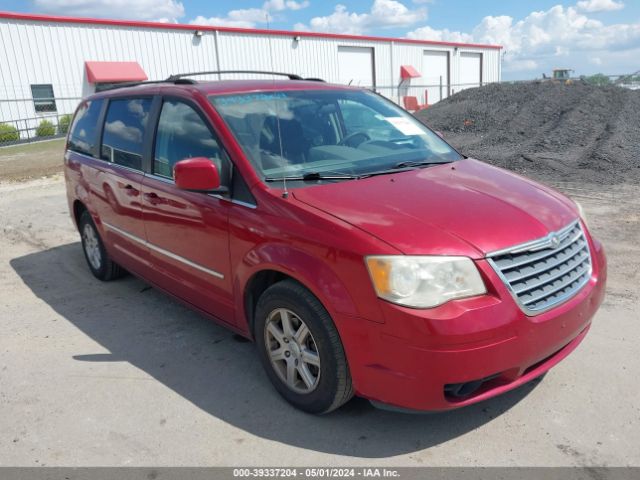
(314, 79)
(180, 76)
(146, 82)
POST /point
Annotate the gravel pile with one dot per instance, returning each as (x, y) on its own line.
(547, 130)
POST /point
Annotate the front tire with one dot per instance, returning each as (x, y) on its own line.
(300, 349)
(100, 264)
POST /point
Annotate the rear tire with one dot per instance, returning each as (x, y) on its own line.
(100, 264)
(300, 349)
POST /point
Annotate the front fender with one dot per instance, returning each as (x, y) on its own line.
(312, 272)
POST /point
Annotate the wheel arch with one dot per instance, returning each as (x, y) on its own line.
(78, 209)
(301, 267)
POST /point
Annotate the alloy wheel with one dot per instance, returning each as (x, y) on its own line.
(92, 246)
(292, 350)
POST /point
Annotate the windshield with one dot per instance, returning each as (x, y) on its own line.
(336, 134)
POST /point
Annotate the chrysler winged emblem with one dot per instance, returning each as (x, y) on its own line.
(554, 241)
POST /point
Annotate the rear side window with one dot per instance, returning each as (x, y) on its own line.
(124, 129)
(84, 131)
(182, 134)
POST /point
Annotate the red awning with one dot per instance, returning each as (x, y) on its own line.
(108, 72)
(407, 71)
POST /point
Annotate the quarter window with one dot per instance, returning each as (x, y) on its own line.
(124, 128)
(84, 131)
(43, 98)
(182, 134)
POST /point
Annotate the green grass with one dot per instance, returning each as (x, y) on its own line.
(33, 148)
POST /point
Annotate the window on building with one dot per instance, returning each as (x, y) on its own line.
(124, 130)
(84, 131)
(182, 134)
(43, 98)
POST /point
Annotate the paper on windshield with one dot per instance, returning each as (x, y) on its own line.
(405, 126)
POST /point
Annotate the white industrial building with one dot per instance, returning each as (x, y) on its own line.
(47, 63)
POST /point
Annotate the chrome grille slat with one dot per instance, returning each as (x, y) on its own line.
(545, 265)
(553, 277)
(546, 293)
(544, 254)
(541, 274)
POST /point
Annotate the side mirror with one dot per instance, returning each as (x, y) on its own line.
(198, 174)
(439, 133)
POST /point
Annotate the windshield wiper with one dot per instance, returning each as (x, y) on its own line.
(401, 167)
(312, 176)
(418, 164)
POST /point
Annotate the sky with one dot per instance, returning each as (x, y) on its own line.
(588, 36)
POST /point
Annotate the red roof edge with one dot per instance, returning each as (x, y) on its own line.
(180, 26)
(407, 71)
(108, 72)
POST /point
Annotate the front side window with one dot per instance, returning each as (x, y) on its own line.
(124, 129)
(182, 134)
(328, 132)
(84, 131)
(43, 98)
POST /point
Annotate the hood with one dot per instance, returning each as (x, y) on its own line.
(463, 208)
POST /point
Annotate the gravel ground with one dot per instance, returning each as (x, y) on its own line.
(31, 160)
(117, 373)
(550, 131)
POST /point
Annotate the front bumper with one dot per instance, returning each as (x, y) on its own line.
(413, 359)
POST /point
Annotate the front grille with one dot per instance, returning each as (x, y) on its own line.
(543, 273)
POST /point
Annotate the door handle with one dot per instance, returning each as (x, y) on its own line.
(131, 190)
(152, 198)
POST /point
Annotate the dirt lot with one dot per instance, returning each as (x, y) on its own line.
(120, 374)
(32, 160)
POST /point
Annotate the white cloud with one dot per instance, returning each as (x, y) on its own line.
(280, 5)
(599, 5)
(250, 17)
(383, 14)
(444, 35)
(164, 10)
(541, 36)
(523, 65)
(221, 22)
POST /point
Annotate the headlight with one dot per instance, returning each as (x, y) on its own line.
(424, 281)
(581, 213)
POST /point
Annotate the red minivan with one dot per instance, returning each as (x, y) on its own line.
(362, 253)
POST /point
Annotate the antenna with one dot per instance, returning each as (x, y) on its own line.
(285, 192)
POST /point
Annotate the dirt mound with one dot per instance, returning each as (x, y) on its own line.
(548, 130)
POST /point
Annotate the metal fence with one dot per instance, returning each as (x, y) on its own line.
(22, 120)
(424, 93)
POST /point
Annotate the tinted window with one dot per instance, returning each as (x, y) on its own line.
(182, 134)
(84, 131)
(124, 129)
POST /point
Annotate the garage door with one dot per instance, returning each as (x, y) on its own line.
(470, 70)
(356, 66)
(435, 71)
